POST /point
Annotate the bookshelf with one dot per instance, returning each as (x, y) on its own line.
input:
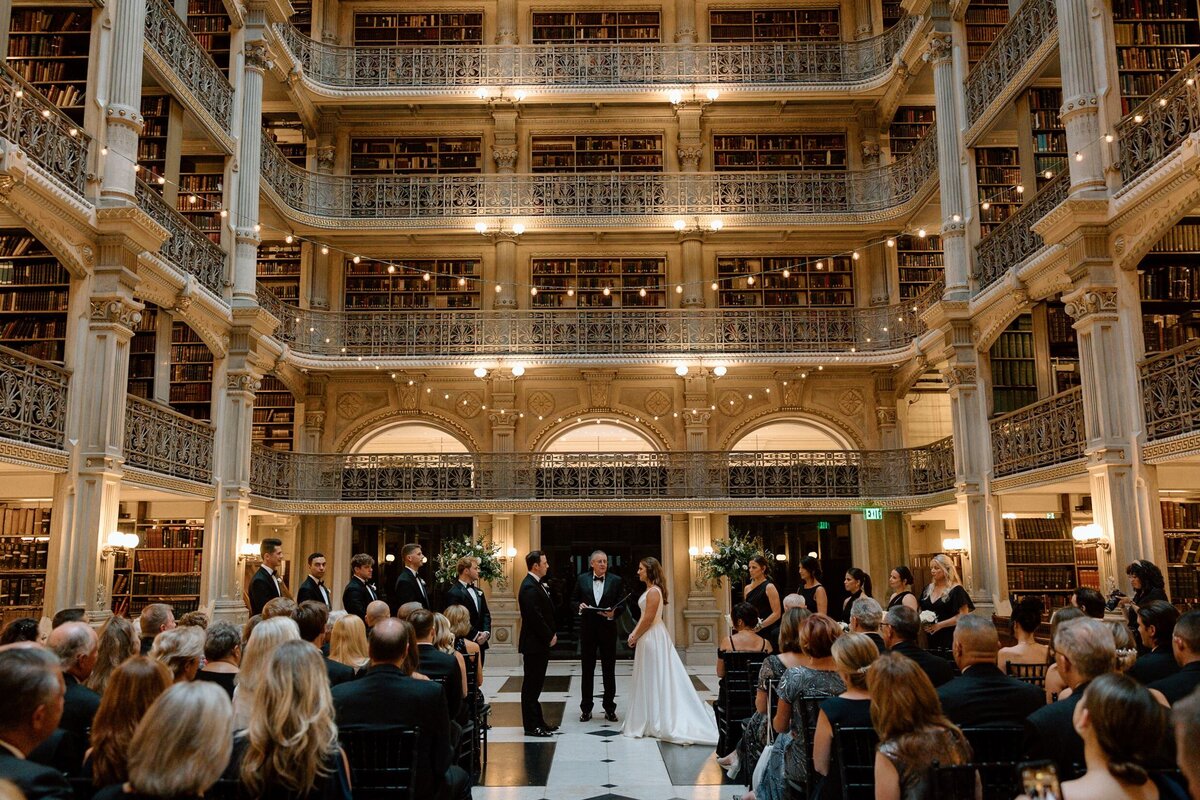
(892, 12)
(984, 21)
(774, 24)
(279, 269)
(580, 282)
(191, 373)
(597, 153)
(1064, 348)
(49, 47)
(34, 294)
(143, 352)
(779, 151)
(274, 415)
(997, 174)
(921, 262)
(302, 15)
(370, 286)
(595, 27)
(907, 128)
(1043, 561)
(1181, 528)
(416, 155)
(201, 190)
(381, 29)
(1154, 39)
(166, 566)
(1049, 135)
(152, 144)
(295, 152)
(207, 20)
(1170, 288)
(24, 545)
(1014, 368)
(753, 281)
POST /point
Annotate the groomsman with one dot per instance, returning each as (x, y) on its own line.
(409, 586)
(597, 588)
(537, 637)
(465, 593)
(360, 591)
(314, 587)
(266, 585)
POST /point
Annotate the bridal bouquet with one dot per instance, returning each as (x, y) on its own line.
(927, 617)
(488, 554)
(730, 558)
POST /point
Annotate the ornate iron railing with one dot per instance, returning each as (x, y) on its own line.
(178, 48)
(452, 477)
(428, 67)
(33, 399)
(1011, 52)
(164, 441)
(1048, 432)
(1015, 240)
(1160, 124)
(1171, 392)
(451, 199)
(188, 249)
(49, 137)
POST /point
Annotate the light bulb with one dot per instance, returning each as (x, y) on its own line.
(481, 93)
(820, 265)
(712, 94)
(161, 180)
(716, 224)
(357, 260)
(986, 205)
(533, 291)
(192, 199)
(641, 292)
(679, 288)
(719, 370)
(1138, 118)
(891, 242)
(324, 251)
(480, 372)
(570, 292)
(957, 218)
(497, 288)
(607, 291)
(518, 370)
(426, 277)
(1079, 156)
(1109, 137)
(675, 96)
(289, 238)
(714, 286)
(519, 96)
(921, 233)
(787, 273)
(750, 281)
(224, 213)
(1049, 174)
(681, 369)
(518, 229)
(481, 227)
(679, 224)
(1020, 189)
(462, 281)
(854, 255)
(391, 269)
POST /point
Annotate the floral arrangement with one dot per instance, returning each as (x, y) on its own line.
(490, 566)
(730, 558)
(927, 617)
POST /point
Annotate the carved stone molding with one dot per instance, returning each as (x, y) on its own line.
(939, 49)
(314, 421)
(242, 382)
(885, 416)
(116, 311)
(326, 157)
(870, 153)
(964, 376)
(689, 156)
(1092, 301)
(505, 157)
(257, 55)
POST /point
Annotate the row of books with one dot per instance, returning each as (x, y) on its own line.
(1057, 551)
(1035, 528)
(987, 15)
(1180, 516)
(1169, 283)
(52, 45)
(184, 560)
(34, 329)
(1182, 237)
(1041, 577)
(1153, 58)
(25, 590)
(1051, 602)
(1185, 584)
(1154, 33)
(26, 20)
(23, 553)
(274, 400)
(740, 299)
(24, 521)
(46, 71)
(998, 175)
(201, 183)
(17, 245)
(1140, 84)
(827, 158)
(1152, 9)
(1183, 549)
(178, 606)
(598, 266)
(166, 584)
(34, 300)
(423, 145)
(1016, 345)
(1045, 142)
(280, 268)
(191, 392)
(191, 372)
(462, 266)
(1168, 331)
(172, 536)
(190, 353)
(45, 350)
(32, 273)
(1014, 373)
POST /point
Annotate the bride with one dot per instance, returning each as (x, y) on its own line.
(664, 704)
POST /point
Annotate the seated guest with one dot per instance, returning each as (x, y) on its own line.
(32, 686)
(254, 670)
(459, 619)
(900, 628)
(66, 615)
(279, 607)
(386, 697)
(222, 655)
(194, 619)
(76, 645)
(376, 610)
(133, 687)
(1127, 655)
(793, 600)
(866, 615)
(744, 638)
(1054, 682)
(1185, 717)
(982, 694)
(853, 653)
(155, 618)
(1185, 641)
(1083, 651)
(1089, 601)
(446, 668)
(310, 619)
(180, 650)
(248, 629)
(348, 643)
(405, 611)
(1156, 625)
(290, 750)
(118, 643)
(181, 746)
(24, 629)
(1026, 617)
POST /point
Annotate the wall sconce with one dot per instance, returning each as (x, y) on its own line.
(390, 557)
(953, 546)
(781, 556)
(681, 226)
(481, 372)
(247, 551)
(719, 371)
(1091, 534)
(499, 232)
(675, 97)
(118, 542)
(500, 95)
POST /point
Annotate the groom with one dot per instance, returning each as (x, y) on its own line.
(598, 631)
(537, 637)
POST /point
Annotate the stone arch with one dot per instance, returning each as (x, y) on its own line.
(836, 433)
(636, 424)
(76, 257)
(373, 426)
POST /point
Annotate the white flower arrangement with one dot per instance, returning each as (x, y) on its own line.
(845, 627)
(927, 617)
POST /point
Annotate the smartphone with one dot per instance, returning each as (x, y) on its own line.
(1040, 780)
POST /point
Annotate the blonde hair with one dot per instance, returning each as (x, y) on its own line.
(854, 653)
(1127, 652)
(348, 642)
(947, 564)
(190, 728)
(268, 635)
(177, 648)
(291, 732)
(443, 635)
(459, 619)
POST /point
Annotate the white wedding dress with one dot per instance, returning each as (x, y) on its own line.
(664, 704)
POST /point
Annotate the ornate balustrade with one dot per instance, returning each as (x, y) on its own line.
(170, 38)
(424, 68)
(188, 249)
(1160, 124)
(457, 200)
(164, 441)
(1171, 392)
(49, 137)
(1010, 57)
(33, 400)
(1046, 433)
(1015, 240)
(450, 477)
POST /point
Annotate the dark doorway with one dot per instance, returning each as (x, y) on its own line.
(795, 536)
(383, 537)
(569, 542)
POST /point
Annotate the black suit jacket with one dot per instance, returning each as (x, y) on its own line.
(937, 668)
(408, 590)
(262, 590)
(443, 667)
(79, 708)
(613, 593)
(309, 591)
(1154, 666)
(338, 672)
(384, 697)
(356, 598)
(1181, 684)
(481, 618)
(985, 696)
(878, 640)
(36, 782)
(537, 617)
(1050, 734)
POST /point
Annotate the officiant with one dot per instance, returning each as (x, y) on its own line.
(596, 596)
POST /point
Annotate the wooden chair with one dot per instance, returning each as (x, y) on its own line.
(736, 703)
(383, 762)
(478, 711)
(1034, 674)
(854, 752)
(995, 754)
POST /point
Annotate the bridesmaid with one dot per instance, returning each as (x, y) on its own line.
(857, 583)
(946, 598)
(762, 593)
(900, 581)
(816, 599)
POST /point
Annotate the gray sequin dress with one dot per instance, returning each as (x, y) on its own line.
(789, 755)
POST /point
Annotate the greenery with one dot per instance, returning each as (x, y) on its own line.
(490, 566)
(730, 558)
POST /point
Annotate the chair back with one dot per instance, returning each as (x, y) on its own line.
(383, 762)
(944, 653)
(854, 750)
(952, 782)
(740, 689)
(1034, 674)
(995, 754)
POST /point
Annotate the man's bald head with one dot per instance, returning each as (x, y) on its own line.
(377, 611)
(794, 600)
(391, 640)
(975, 641)
(76, 645)
(406, 610)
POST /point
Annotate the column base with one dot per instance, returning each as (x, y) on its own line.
(503, 646)
(228, 611)
(703, 620)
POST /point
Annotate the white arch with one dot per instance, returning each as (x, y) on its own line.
(599, 436)
(792, 434)
(409, 437)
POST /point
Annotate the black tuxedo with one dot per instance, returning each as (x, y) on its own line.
(309, 590)
(1050, 734)
(384, 697)
(338, 672)
(1159, 663)
(1181, 684)
(36, 781)
(443, 668)
(937, 668)
(263, 590)
(481, 618)
(410, 590)
(356, 597)
(983, 695)
(537, 631)
(79, 709)
(597, 633)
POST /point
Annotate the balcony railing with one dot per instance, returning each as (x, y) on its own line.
(595, 332)
(49, 137)
(1013, 50)
(188, 249)
(453, 477)
(429, 67)
(181, 53)
(1171, 392)
(1046, 433)
(1015, 240)
(164, 441)
(33, 400)
(1160, 124)
(448, 200)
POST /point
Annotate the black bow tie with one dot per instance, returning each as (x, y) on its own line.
(598, 579)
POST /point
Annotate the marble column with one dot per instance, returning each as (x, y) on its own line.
(950, 153)
(701, 612)
(245, 265)
(506, 21)
(339, 558)
(685, 22)
(122, 112)
(502, 600)
(1080, 111)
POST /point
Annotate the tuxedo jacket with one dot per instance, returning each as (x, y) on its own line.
(79, 708)
(537, 617)
(409, 591)
(983, 695)
(443, 667)
(263, 590)
(310, 591)
(338, 672)
(36, 781)
(1159, 663)
(1050, 734)
(584, 592)
(1181, 684)
(937, 668)
(356, 598)
(481, 618)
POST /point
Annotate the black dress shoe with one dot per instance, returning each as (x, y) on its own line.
(551, 728)
(611, 716)
(584, 716)
(541, 733)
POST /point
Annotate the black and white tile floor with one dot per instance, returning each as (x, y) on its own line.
(589, 760)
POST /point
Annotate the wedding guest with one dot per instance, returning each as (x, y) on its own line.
(1156, 625)
(743, 639)
(248, 629)
(405, 611)
(858, 584)
(180, 650)
(310, 619)
(1026, 617)
(762, 593)
(793, 600)
(255, 666)
(1089, 601)
(1186, 645)
(853, 653)
(279, 607)
(24, 629)
(63, 616)
(982, 694)
(1054, 681)
(1127, 654)
(900, 581)
(32, 685)
(348, 644)
(947, 599)
(155, 618)
(1185, 717)
(866, 615)
(1148, 585)
(118, 643)
(448, 668)
(360, 589)
(899, 630)
(376, 610)
(816, 599)
(459, 619)
(194, 619)
(77, 648)
(222, 656)
(133, 687)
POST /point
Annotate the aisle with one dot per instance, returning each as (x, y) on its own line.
(589, 760)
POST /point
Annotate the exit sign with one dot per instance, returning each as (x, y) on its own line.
(872, 513)
(822, 525)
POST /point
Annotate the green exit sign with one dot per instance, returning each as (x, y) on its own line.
(823, 525)
(872, 513)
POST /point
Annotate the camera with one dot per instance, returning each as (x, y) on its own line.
(1114, 598)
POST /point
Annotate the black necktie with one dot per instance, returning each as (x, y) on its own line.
(597, 579)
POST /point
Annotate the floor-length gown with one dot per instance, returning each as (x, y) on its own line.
(664, 704)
